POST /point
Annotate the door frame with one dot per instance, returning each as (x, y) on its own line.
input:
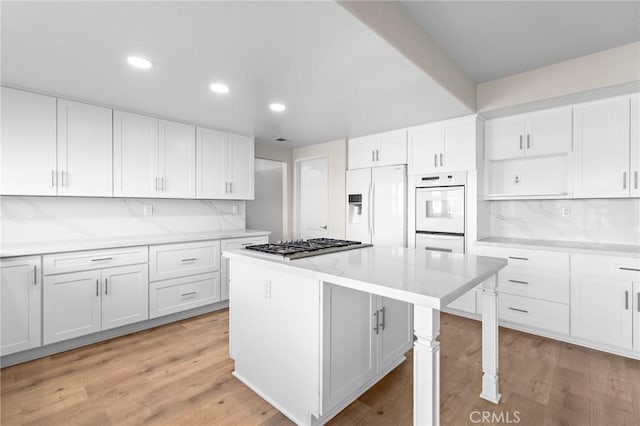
(296, 191)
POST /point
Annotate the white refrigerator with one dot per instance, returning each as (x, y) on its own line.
(377, 205)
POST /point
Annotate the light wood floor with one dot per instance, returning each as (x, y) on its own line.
(180, 374)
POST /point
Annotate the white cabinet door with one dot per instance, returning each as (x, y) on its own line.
(135, 155)
(391, 148)
(20, 296)
(28, 151)
(241, 167)
(426, 146)
(548, 132)
(84, 149)
(635, 146)
(72, 305)
(233, 244)
(349, 343)
(636, 316)
(125, 297)
(460, 145)
(177, 168)
(396, 331)
(601, 148)
(362, 152)
(211, 155)
(601, 310)
(504, 137)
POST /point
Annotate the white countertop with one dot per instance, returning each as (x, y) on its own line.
(563, 246)
(47, 247)
(426, 278)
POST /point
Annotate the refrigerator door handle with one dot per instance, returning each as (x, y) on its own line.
(369, 210)
(373, 211)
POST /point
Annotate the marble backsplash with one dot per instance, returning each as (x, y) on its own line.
(33, 219)
(607, 221)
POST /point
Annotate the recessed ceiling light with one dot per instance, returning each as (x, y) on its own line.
(277, 107)
(138, 62)
(219, 88)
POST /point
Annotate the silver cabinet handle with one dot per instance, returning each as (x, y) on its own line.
(230, 187)
(156, 180)
(439, 249)
(377, 327)
(626, 300)
(635, 179)
(97, 289)
(638, 304)
(624, 180)
(629, 269)
(377, 155)
(519, 310)
(106, 286)
(35, 275)
(518, 258)
(382, 314)
(191, 259)
(518, 282)
(62, 174)
(373, 155)
(101, 259)
(191, 293)
(520, 141)
(440, 159)
(528, 141)
(435, 160)
(247, 244)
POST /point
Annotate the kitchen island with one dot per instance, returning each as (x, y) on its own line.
(311, 335)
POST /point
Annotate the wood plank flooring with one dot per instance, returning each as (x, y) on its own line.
(180, 374)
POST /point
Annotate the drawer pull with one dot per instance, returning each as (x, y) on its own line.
(248, 244)
(518, 282)
(519, 310)
(101, 259)
(629, 269)
(97, 289)
(518, 258)
(626, 300)
(191, 259)
(191, 293)
(35, 275)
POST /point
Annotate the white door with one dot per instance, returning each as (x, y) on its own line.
(72, 305)
(601, 146)
(636, 316)
(241, 168)
(28, 150)
(426, 145)
(504, 137)
(312, 198)
(125, 297)
(459, 146)
(359, 205)
(211, 166)
(362, 152)
(548, 132)
(635, 145)
(389, 206)
(177, 169)
(349, 342)
(21, 298)
(85, 148)
(391, 148)
(395, 331)
(135, 155)
(601, 310)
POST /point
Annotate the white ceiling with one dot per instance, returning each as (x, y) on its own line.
(493, 39)
(336, 76)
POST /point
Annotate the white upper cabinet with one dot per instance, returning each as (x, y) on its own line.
(382, 149)
(225, 165)
(445, 146)
(602, 145)
(28, 152)
(536, 134)
(84, 149)
(635, 146)
(135, 152)
(177, 157)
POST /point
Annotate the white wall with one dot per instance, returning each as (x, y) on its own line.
(33, 219)
(269, 151)
(611, 221)
(336, 153)
(267, 211)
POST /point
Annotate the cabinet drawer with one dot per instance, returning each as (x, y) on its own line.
(534, 313)
(553, 287)
(180, 260)
(180, 294)
(615, 268)
(93, 259)
(520, 258)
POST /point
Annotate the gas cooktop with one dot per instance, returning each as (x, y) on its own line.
(305, 248)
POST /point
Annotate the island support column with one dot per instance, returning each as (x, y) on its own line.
(490, 340)
(426, 366)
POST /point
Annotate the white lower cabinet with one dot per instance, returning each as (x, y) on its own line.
(81, 303)
(20, 296)
(636, 316)
(179, 294)
(233, 244)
